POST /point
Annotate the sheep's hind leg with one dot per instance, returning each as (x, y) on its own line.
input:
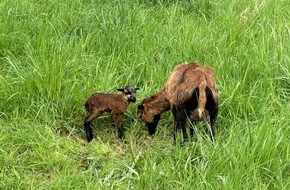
(212, 118)
(87, 125)
(212, 131)
(212, 107)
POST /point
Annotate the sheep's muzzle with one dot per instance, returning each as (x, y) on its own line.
(132, 99)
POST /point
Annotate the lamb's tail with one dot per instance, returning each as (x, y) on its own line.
(201, 99)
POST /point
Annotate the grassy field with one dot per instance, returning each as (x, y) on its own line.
(54, 54)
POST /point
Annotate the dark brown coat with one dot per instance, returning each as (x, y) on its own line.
(115, 104)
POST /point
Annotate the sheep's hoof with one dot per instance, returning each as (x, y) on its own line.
(90, 138)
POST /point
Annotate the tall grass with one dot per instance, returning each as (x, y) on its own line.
(54, 54)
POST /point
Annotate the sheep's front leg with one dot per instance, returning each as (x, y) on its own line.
(118, 122)
(179, 122)
(173, 109)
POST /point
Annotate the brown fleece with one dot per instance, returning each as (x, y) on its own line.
(115, 104)
(178, 95)
(184, 79)
(154, 105)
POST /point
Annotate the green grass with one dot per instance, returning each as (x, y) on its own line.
(54, 54)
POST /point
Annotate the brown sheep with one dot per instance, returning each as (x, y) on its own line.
(190, 91)
(115, 104)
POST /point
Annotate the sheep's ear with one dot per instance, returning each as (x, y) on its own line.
(137, 88)
(141, 107)
(120, 89)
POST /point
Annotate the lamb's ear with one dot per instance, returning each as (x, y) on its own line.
(120, 89)
(141, 107)
(137, 88)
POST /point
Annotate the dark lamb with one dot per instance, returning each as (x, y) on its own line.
(115, 104)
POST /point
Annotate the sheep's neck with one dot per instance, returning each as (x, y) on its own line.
(161, 103)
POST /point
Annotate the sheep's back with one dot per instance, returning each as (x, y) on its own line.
(185, 78)
(105, 102)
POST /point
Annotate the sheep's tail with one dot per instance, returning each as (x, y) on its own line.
(201, 99)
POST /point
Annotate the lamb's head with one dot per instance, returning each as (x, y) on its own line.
(129, 93)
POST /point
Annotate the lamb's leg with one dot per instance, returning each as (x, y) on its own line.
(87, 124)
(118, 122)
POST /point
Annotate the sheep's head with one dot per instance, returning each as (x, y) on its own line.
(146, 113)
(150, 110)
(129, 93)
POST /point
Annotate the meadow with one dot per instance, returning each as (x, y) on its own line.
(55, 54)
